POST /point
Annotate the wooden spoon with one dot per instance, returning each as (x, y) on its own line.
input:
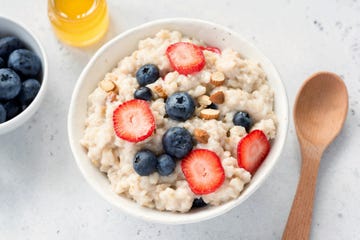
(319, 113)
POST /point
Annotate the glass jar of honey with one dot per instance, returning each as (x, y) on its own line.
(79, 22)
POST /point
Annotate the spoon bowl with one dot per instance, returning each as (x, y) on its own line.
(319, 113)
(320, 108)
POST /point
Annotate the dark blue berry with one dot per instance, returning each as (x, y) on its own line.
(180, 106)
(10, 84)
(166, 165)
(12, 108)
(145, 162)
(212, 106)
(143, 93)
(25, 62)
(24, 106)
(2, 63)
(147, 74)
(198, 203)
(177, 142)
(243, 119)
(8, 45)
(29, 90)
(2, 113)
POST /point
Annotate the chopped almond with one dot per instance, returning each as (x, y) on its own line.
(199, 109)
(201, 135)
(160, 91)
(107, 85)
(209, 113)
(217, 78)
(204, 100)
(217, 97)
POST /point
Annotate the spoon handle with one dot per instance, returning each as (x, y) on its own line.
(299, 221)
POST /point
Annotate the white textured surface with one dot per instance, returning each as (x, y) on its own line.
(44, 196)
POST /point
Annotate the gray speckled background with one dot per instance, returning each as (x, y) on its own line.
(44, 196)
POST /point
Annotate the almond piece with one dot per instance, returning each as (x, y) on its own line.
(217, 78)
(199, 109)
(209, 113)
(217, 97)
(160, 91)
(204, 100)
(201, 135)
(107, 85)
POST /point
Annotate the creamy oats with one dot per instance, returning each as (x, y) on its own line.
(245, 88)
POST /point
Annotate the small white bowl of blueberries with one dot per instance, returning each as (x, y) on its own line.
(23, 74)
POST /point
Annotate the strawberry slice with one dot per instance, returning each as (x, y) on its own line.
(203, 171)
(252, 150)
(133, 120)
(185, 57)
(211, 49)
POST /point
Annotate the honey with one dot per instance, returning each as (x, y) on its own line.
(79, 22)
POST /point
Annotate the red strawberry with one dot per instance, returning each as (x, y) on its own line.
(252, 150)
(185, 57)
(133, 120)
(203, 171)
(211, 49)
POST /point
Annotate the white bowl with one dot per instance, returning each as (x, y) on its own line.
(10, 28)
(124, 44)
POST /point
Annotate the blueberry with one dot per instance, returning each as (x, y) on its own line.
(8, 45)
(180, 106)
(145, 162)
(24, 106)
(12, 108)
(143, 93)
(212, 106)
(147, 74)
(166, 165)
(25, 62)
(2, 63)
(177, 142)
(29, 90)
(2, 113)
(243, 119)
(198, 203)
(10, 84)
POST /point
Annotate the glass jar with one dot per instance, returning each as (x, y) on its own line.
(79, 22)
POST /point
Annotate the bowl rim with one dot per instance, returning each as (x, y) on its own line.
(23, 116)
(74, 145)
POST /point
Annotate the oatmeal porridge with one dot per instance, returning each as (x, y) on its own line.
(179, 125)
